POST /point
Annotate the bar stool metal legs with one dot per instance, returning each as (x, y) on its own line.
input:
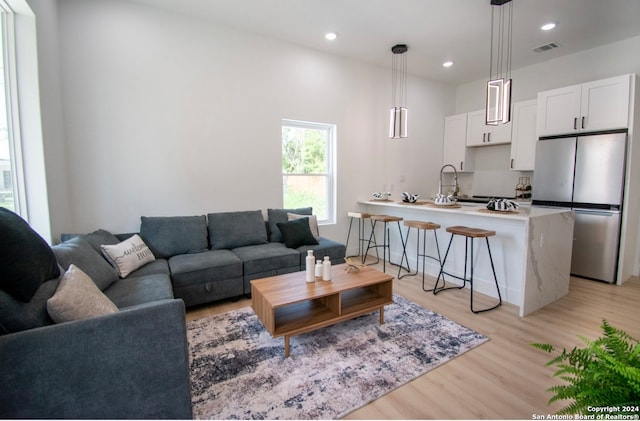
(386, 248)
(423, 227)
(469, 234)
(362, 240)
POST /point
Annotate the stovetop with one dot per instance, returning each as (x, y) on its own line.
(481, 199)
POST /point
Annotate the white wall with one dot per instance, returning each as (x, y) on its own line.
(53, 136)
(169, 115)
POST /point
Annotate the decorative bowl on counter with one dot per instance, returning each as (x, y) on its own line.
(409, 198)
(502, 205)
(381, 196)
(444, 200)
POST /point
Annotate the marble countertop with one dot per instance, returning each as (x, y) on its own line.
(522, 213)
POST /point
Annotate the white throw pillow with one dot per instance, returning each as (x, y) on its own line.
(313, 223)
(77, 297)
(128, 255)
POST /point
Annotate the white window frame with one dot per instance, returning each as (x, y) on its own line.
(331, 164)
(7, 17)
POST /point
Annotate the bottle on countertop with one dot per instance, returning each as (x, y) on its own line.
(326, 269)
(310, 270)
(319, 270)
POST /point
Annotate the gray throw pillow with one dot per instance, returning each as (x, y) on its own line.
(280, 215)
(26, 260)
(79, 252)
(100, 238)
(168, 236)
(228, 230)
(77, 298)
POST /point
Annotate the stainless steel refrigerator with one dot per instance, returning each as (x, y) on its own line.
(586, 173)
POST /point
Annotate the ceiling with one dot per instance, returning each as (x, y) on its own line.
(434, 30)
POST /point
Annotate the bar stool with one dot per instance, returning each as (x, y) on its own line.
(386, 244)
(423, 227)
(362, 240)
(470, 234)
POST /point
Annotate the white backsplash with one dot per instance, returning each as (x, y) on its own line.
(492, 176)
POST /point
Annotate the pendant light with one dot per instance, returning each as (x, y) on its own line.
(398, 114)
(498, 110)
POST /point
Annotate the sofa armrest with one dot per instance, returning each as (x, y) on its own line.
(130, 364)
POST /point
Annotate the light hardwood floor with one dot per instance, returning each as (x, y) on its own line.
(505, 378)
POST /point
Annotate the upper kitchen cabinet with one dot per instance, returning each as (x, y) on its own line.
(598, 105)
(455, 151)
(480, 134)
(523, 136)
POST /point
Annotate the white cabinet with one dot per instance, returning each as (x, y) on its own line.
(598, 105)
(455, 151)
(523, 136)
(480, 134)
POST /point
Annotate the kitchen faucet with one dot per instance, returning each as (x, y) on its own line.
(455, 179)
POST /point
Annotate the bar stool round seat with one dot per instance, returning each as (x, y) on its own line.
(386, 244)
(421, 227)
(362, 240)
(469, 234)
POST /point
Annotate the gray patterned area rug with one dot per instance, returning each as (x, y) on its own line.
(238, 371)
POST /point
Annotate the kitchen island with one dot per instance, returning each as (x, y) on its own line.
(531, 249)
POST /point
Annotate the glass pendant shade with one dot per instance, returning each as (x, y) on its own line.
(498, 107)
(398, 113)
(398, 122)
(498, 101)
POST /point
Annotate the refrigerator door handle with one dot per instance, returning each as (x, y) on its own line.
(597, 212)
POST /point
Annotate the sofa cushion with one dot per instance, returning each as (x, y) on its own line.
(280, 215)
(132, 291)
(228, 230)
(208, 266)
(267, 257)
(99, 238)
(79, 252)
(157, 267)
(171, 235)
(26, 260)
(336, 251)
(77, 297)
(128, 255)
(313, 223)
(16, 315)
(296, 233)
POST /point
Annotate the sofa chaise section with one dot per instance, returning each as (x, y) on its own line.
(199, 275)
(206, 277)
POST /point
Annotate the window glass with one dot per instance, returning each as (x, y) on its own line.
(6, 172)
(307, 167)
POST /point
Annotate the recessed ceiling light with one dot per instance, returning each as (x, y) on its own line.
(548, 26)
(448, 63)
(330, 36)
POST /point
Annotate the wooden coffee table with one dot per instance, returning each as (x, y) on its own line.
(287, 305)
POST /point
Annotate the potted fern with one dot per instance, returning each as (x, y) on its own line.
(602, 378)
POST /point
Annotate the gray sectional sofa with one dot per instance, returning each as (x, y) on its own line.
(132, 363)
(216, 257)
